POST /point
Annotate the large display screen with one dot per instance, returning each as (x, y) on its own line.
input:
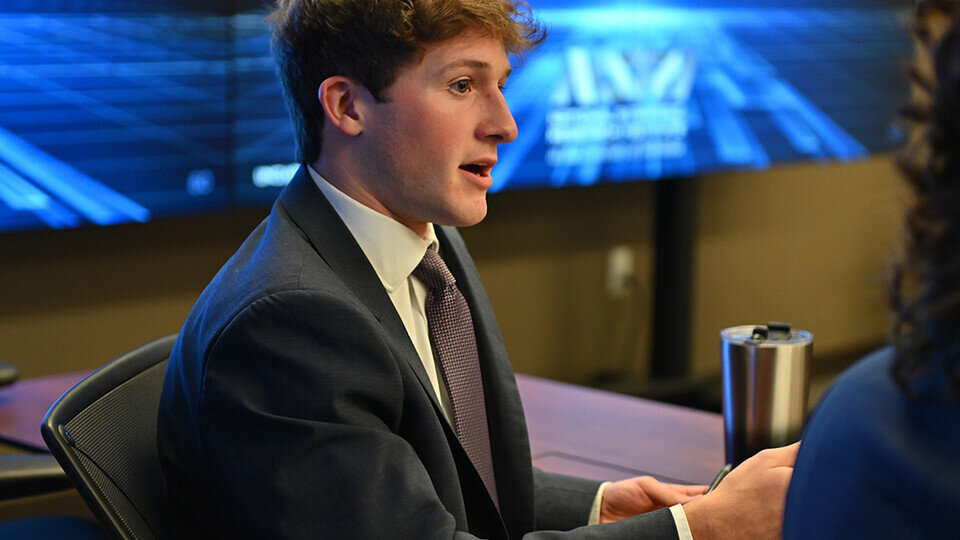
(116, 111)
(624, 91)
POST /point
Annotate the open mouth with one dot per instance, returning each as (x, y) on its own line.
(479, 169)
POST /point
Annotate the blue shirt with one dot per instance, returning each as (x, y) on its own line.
(875, 464)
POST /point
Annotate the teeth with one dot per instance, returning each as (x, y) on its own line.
(476, 168)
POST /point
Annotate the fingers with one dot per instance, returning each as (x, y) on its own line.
(785, 456)
(671, 494)
(664, 496)
(784, 475)
(684, 489)
(689, 490)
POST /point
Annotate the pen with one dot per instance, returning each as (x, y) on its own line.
(720, 476)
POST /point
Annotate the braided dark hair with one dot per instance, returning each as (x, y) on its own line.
(925, 285)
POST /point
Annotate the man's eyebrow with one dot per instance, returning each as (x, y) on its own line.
(469, 63)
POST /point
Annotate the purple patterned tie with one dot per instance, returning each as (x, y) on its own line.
(451, 332)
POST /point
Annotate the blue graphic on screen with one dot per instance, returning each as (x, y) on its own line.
(115, 111)
(626, 92)
(110, 118)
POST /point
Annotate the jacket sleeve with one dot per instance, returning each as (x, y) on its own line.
(563, 503)
(298, 421)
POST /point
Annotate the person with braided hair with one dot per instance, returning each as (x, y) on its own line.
(881, 454)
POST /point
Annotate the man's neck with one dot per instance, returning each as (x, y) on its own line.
(347, 183)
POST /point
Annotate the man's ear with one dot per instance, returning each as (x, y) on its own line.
(343, 100)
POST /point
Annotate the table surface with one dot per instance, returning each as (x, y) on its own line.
(24, 403)
(573, 429)
(607, 436)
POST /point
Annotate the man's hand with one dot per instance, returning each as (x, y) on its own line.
(749, 502)
(642, 494)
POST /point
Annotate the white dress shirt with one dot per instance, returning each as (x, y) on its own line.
(394, 251)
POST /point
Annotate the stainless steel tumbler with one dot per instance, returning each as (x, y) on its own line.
(766, 376)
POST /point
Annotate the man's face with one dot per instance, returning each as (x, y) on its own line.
(431, 146)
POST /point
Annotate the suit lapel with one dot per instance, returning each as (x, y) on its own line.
(510, 447)
(332, 240)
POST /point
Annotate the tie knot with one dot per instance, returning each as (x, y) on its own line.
(433, 271)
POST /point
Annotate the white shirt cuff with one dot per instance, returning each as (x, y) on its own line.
(679, 516)
(595, 509)
(680, 519)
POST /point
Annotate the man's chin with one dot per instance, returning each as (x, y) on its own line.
(465, 219)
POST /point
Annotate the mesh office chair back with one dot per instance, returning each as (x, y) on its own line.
(103, 433)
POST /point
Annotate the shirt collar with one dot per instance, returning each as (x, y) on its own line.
(391, 247)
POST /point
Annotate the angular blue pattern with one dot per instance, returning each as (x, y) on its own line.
(114, 111)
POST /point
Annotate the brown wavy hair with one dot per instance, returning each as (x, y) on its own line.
(925, 285)
(370, 40)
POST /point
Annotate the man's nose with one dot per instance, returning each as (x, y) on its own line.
(499, 125)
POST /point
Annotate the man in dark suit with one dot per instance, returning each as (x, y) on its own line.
(313, 391)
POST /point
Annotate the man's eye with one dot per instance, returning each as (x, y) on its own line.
(462, 86)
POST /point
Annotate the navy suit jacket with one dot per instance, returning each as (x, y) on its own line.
(875, 464)
(296, 406)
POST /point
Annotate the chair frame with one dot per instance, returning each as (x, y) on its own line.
(78, 398)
